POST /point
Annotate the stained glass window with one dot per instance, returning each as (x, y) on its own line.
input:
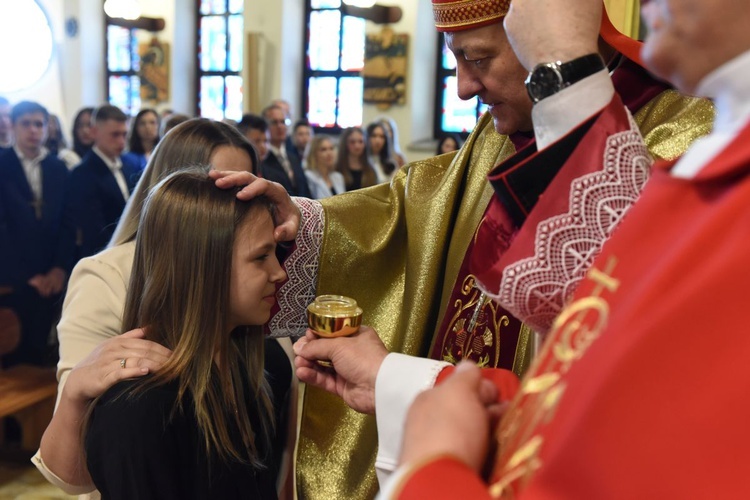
(335, 57)
(220, 27)
(123, 62)
(452, 114)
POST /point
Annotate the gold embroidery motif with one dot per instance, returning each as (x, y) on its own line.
(519, 437)
(481, 331)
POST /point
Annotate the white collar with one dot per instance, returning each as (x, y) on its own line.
(38, 158)
(113, 165)
(729, 87)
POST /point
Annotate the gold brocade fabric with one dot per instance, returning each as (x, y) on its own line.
(397, 250)
(670, 122)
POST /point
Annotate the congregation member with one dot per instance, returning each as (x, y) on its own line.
(389, 124)
(101, 184)
(302, 133)
(255, 130)
(322, 177)
(55, 141)
(171, 120)
(83, 139)
(418, 255)
(6, 128)
(143, 137)
(352, 162)
(209, 423)
(448, 143)
(36, 246)
(279, 166)
(285, 106)
(379, 151)
(94, 352)
(638, 389)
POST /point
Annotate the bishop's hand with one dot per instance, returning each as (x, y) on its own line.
(356, 360)
(543, 31)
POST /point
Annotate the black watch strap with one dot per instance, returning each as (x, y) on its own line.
(549, 78)
(581, 67)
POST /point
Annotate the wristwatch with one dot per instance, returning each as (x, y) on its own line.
(550, 78)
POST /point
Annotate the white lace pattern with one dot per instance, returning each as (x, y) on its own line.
(302, 271)
(535, 289)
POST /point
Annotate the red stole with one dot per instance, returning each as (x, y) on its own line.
(641, 387)
(535, 276)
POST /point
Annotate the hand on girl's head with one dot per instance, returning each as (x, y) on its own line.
(287, 213)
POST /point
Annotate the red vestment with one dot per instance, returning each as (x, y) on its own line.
(485, 332)
(640, 388)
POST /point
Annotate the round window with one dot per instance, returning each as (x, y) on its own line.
(25, 44)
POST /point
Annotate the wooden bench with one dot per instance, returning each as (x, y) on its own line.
(27, 393)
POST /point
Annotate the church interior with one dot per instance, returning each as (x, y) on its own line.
(329, 65)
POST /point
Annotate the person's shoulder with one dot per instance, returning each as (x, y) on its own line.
(312, 175)
(270, 159)
(116, 260)
(8, 158)
(52, 161)
(123, 393)
(132, 160)
(118, 256)
(89, 158)
(134, 415)
(7, 154)
(87, 166)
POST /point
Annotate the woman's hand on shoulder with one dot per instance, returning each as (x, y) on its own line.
(126, 356)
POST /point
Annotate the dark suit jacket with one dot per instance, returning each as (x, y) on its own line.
(292, 152)
(96, 201)
(272, 170)
(28, 245)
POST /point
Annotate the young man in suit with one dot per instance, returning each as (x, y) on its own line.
(101, 184)
(255, 129)
(280, 166)
(36, 247)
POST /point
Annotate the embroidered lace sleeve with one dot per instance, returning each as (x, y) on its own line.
(554, 249)
(302, 273)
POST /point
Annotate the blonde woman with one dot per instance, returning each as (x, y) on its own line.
(94, 354)
(204, 425)
(322, 177)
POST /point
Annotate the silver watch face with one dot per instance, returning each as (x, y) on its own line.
(544, 81)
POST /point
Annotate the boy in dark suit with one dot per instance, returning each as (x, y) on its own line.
(36, 246)
(101, 184)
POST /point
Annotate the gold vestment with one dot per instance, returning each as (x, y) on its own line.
(397, 249)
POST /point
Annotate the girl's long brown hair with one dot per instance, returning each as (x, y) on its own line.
(179, 291)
